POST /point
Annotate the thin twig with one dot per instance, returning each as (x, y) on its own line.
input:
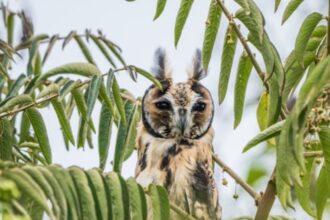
(181, 212)
(313, 154)
(51, 97)
(244, 43)
(38, 102)
(256, 196)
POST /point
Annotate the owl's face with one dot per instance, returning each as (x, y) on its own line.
(181, 110)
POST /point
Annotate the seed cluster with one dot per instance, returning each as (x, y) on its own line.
(319, 116)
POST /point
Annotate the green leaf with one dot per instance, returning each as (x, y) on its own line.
(3, 71)
(19, 82)
(253, 20)
(68, 38)
(29, 187)
(52, 89)
(6, 139)
(119, 101)
(303, 192)
(93, 91)
(181, 18)
(255, 173)
(19, 100)
(25, 128)
(227, 57)
(211, 30)
(119, 196)
(37, 64)
(103, 50)
(63, 119)
(160, 202)
(130, 141)
(262, 111)
(290, 8)
(275, 75)
(114, 49)
(87, 203)
(82, 106)
(160, 8)
(121, 138)
(148, 76)
(137, 199)
(40, 132)
(10, 28)
(82, 132)
(67, 185)
(324, 135)
(33, 52)
(82, 69)
(322, 192)
(58, 191)
(104, 136)
(277, 3)
(295, 74)
(68, 87)
(304, 35)
(314, 84)
(50, 46)
(97, 186)
(243, 74)
(269, 132)
(38, 177)
(84, 50)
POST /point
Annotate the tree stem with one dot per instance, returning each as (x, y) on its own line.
(267, 199)
(256, 196)
(53, 96)
(244, 43)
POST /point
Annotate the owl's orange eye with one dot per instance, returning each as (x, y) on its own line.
(163, 105)
(199, 107)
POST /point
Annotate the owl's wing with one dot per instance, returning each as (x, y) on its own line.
(141, 150)
(205, 192)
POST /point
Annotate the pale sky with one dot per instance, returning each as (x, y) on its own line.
(131, 26)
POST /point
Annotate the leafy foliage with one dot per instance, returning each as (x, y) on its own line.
(31, 186)
(75, 193)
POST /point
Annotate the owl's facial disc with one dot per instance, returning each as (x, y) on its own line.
(181, 110)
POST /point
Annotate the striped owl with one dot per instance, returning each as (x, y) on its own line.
(175, 140)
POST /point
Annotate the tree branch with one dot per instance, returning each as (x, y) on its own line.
(244, 43)
(267, 199)
(51, 97)
(256, 196)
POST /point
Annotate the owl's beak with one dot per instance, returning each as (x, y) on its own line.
(182, 123)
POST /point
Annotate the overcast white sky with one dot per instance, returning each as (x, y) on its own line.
(130, 25)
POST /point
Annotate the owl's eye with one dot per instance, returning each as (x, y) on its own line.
(199, 107)
(163, 105)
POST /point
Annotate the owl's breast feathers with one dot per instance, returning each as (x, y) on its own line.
(184, 168)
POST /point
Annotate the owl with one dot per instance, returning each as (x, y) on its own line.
(174, 140)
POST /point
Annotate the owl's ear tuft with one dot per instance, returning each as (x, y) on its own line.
(196, 71)
(161, 68)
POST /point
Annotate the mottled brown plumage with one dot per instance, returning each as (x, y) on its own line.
(175, 141)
